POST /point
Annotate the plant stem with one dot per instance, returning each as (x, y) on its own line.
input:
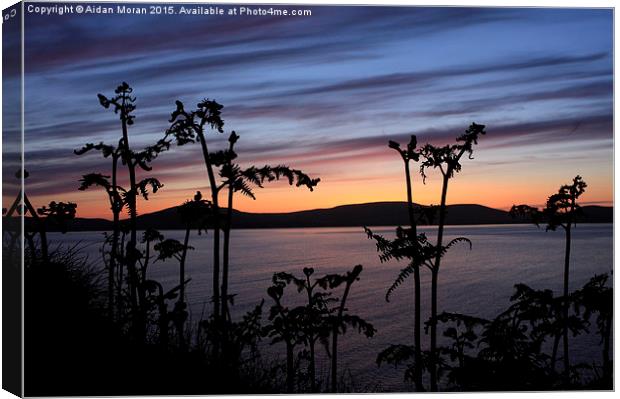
(335, 338)
(163, 318)
(312, 366)
(226, 249)
(180, 326)
(135, 289)
(566, 304)
(115, 233)
(182, 264)
(417, 295)
(216, 226)
(554, 352)
(434, 280)
(290, 369)
(119, 288)
(147, 255)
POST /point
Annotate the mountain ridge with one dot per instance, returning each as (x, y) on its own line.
(385, 213)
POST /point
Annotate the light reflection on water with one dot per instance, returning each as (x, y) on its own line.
(477, 282)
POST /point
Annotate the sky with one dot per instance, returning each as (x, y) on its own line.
(324, 93)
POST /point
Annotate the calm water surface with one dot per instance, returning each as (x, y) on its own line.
(477, 282)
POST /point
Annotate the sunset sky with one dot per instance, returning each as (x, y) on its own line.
(325, 93)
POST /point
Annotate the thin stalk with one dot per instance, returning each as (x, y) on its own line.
(568, 228)
(226, 250)
(410, 198)
(115, 233)
(147, 255)
(216, 226)
(417, 295)
(181, 326)
(434, 280)
(136, 292)
(334, 379)
(290, 347)
(182, 263)
(119, 289)
(554, 352)
(309, 289)
(566, 304)
(290, 367)
(163, 318)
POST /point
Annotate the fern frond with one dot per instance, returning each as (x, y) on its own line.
(402, 276)
(94, 179)
(143, 185)
(456, 241)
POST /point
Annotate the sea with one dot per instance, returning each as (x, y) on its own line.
(477, 281)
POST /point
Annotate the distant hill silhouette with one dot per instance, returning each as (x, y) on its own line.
(371, 214)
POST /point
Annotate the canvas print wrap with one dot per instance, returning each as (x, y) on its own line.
(244, 199)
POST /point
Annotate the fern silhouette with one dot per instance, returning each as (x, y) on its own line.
(188, 127)
(595, 297)
(244, 181)
(123, 104)
(413, 249)
(150, 292)
(340, 320)
(114, 192)
(561, 211)
(448, 160)
(314, 321)
(416, 248)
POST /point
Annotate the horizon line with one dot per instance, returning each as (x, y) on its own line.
(588, 203)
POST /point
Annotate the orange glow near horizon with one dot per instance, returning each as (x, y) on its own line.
(280, 197)
(376, 175)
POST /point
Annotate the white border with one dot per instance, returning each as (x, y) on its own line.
(480, 3)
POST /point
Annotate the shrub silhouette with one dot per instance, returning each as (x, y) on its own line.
(562, 211)
(507, 353)
(463, 333)
(339, 320)
(597, 298)
(312, 317)
(284, 327)
(172, 249)
(314, 321)
(242, 357)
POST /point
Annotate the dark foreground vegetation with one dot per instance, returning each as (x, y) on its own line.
(119, 332)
